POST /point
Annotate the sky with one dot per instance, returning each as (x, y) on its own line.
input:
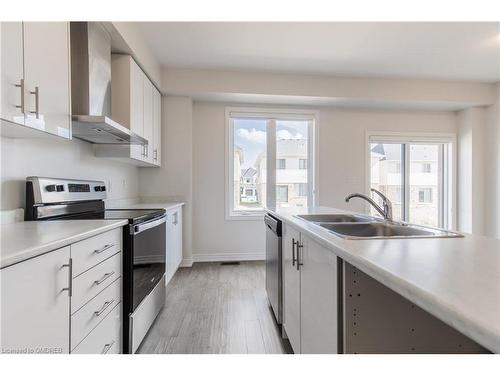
(250, 136)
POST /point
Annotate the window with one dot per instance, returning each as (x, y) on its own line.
(280, 164)
(426, 168)
(269, 153)
(414, 172)
(301, 189)
(425, 195)
(282, 193)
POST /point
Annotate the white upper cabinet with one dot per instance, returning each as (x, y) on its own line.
(12, 79)
(133, 106)
(148, 118)
(156, 127)
(36, 61)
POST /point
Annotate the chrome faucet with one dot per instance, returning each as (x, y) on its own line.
(385, 210)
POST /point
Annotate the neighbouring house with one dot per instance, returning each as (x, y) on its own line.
(291, 173)
(248, 186)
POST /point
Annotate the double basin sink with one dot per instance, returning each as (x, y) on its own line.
(367, 227)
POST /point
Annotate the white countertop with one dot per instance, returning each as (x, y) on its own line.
(455, 279)
(27, 239)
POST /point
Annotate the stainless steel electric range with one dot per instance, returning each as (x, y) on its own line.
(144, 240)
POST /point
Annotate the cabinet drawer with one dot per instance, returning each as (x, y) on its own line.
(89, 316)
(90, 283)
(89, 252)
(106, 337)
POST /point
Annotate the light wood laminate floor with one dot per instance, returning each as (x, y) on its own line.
(214, 308)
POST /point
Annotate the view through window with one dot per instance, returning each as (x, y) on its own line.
(414, 177)
(290, 172)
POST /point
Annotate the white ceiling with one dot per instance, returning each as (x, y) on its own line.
(445, 51)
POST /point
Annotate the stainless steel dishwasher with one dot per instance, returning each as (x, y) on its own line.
(274, 266)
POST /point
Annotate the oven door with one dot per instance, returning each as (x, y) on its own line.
(148, 240)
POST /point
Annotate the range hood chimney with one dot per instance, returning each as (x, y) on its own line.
(91, 87)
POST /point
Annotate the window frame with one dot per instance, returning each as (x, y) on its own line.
(448, 212)
(271, 114)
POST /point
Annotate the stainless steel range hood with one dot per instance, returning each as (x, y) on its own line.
(91, 87)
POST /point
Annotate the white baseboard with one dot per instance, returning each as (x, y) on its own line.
(227, 257)
(188, 262)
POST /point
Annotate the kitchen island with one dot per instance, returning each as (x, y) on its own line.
(456, 280)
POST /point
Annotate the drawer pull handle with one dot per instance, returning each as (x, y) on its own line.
(98, 251)
(104, 277)
(104, 307)
(107, 347)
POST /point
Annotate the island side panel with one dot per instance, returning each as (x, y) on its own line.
(378, 320)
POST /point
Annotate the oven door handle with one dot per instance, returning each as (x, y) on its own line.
(136, 229)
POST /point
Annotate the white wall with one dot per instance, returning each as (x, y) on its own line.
(492, 168)
(216, 238)
(471, 177)
(59, 158)
(341, 171)
(342, 150)
(173, 181)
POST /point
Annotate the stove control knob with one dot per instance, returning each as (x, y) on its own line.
(103, 188)
(97, 188)
(50, 188)
(60, 187)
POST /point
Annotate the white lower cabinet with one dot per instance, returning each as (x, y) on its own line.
(310, 294)
(47, 308)
(174, 241)
(35, 304)
(318, 299)
(106, 337)
(291, 287)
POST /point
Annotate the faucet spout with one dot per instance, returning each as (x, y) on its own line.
(385, 211)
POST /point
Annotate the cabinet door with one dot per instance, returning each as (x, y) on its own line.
(291, 288)
(318, 298)
(170, 246)
(148, 118)
(177, 222)
(157, 127)
(35, 306)
(47, 72)
(136, 107)
(12, 71)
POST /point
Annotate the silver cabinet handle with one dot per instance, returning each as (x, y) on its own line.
(104, 307)
(21, 86)
(37, 101)
(293, 251)
(107, 347)
(299, 263)
(106, 247)
(104, 277)
(70, 277)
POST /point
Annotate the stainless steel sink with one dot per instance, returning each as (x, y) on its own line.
(376, 230)
(337, 218)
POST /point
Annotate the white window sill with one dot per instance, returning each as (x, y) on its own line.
(253, 216)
